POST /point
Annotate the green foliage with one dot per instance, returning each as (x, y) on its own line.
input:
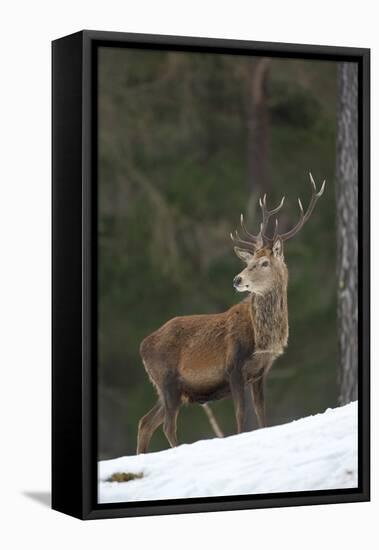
(172, 181)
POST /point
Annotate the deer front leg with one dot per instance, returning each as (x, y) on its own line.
(257, 391)
(237, 389)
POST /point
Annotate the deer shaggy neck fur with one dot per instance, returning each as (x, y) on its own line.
(269, 316)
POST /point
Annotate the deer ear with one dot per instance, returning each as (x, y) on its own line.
(243, 255)
(277, 249)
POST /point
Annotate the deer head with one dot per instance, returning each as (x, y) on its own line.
(263, 255)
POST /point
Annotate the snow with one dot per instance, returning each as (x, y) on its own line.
(313, 453)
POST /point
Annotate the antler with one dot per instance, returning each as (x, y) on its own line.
(304, 217)
(266, 214)
(252, 244)
(257, 241)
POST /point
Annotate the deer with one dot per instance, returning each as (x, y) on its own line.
(207, 357)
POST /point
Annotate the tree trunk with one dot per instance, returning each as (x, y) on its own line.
(347, 245)
(257, 121)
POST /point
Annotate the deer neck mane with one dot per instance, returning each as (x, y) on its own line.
(269, 315)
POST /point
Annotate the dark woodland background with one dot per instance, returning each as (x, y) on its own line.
(186, 143)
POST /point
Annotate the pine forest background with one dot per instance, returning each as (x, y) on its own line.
(187, 142)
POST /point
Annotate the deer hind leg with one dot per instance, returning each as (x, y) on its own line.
(258, 393)
(147, 426)
(172, 400)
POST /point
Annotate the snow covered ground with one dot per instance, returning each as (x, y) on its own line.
(317, 452)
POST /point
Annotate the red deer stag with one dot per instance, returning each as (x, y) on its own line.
(201, 358)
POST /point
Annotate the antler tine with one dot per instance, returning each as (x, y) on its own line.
(250, 235)
(275, 231)
(314, 186)
(312, 182)
(305, 216)
(271, 240)
(238, 241)
(266, 214)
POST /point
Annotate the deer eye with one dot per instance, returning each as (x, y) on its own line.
(264, 264)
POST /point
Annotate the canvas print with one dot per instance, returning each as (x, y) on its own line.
(227, 275)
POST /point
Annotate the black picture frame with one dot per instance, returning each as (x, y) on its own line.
(74, 273)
